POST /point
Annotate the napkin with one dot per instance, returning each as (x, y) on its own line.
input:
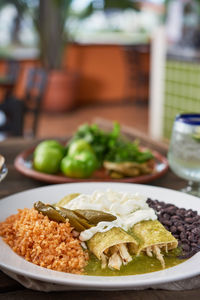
(186, 284)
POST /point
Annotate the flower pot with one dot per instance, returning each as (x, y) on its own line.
(60, 91)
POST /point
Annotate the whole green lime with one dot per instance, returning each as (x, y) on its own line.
(47, 160)
(79, 146)
(81, 165)
(49, 144)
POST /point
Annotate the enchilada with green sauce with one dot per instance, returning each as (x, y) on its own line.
(134, 242)
(154, 239)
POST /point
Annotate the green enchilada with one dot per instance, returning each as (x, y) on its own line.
(112, 247)
(154, 239)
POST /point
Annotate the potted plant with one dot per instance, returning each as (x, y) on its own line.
(61, 86)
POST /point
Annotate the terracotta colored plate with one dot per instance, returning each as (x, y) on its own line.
(23, 163)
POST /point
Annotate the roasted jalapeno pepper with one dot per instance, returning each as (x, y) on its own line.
(49, 211)
(80, 219)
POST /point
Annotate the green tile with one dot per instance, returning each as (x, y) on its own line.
(182, 91)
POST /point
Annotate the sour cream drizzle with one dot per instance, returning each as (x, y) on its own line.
(128, 208)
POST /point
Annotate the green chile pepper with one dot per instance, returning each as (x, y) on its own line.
(80, 219)
(80, 224)
(49, 211)
(94, 216)
(77, 222)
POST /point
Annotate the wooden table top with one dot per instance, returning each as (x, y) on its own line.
(15, 182)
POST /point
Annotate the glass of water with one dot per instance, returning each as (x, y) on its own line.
(184, 151)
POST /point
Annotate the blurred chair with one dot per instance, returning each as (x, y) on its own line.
(16, 110)
(9, 78)
(35, 88)
(11, 112)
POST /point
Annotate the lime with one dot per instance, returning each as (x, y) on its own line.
(47, 160)
(79, 146)
(50, 144)
(81, 165)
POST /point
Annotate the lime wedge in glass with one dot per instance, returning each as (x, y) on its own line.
(196, 134)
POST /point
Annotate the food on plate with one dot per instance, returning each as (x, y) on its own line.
(43, 242)
(112, 247)
(79, 146)
(80, 165)
(105, 233)
(50, 144)
(154, 239)
(80, 219)
(91, 149)
(129, 211)
(130, 169)
(183, 223)
(47, 156)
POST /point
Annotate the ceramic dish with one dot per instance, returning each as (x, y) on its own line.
(23, 163)
(12, 262)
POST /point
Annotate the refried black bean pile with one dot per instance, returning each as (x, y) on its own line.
(183, 223)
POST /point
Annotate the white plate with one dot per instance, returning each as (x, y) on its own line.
(50, 194)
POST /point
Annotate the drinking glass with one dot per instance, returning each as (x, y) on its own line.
(184, 151)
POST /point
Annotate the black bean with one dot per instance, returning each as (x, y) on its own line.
(175, 217)
(173, 229)
(170, 210)
(189, 214)
(180, 212)
(192, 227)
(196, 230)
(178, 223)
(189, 227)
(196, 219)
(185, 247)
(189, 220)
(194, 245)
(185, 241)
(187, 254)
(191, 237)
(166, 216)
(167, 222)
(182, 235)
(168, 204)
(181, 228)
(196, 224)
(183, 224)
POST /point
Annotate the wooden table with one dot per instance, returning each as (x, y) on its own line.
(15, 182)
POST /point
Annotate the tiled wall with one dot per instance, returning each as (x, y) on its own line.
(182, 91)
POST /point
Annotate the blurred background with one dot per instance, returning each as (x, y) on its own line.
(63, 63)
